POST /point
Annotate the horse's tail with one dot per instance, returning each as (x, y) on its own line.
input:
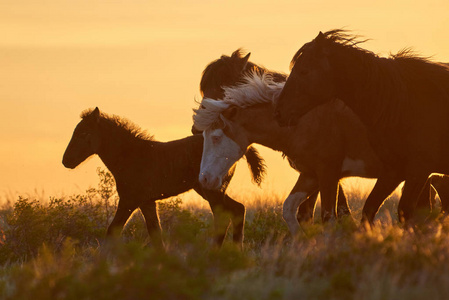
(256, 165)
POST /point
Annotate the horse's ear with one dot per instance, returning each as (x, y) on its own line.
(230, 112)
(320, 38)
(237, 53)
(245, 60)
(96, 115)
(320, 42)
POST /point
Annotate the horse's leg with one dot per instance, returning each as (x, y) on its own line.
(383, 188)
(426, 200)
(238, 211)
(305, 186)
(342, 204)
(441, 184)
(329, 184)
(307, 209)
(413, 187)
(149, 211)
(222, 217)
(124, 209)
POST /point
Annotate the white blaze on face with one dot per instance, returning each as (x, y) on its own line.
(220, 153)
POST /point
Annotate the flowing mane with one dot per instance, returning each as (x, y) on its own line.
(126, 127)
(338, 36)
(348, 41)
(227, 69)
(255, 88)
(402, 99)
(399, 76)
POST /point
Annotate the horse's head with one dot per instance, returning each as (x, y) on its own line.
(224, 144)
(223, 72)
(310, 83)
(85, 140)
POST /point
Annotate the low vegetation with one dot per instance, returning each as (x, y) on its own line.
(55, 250)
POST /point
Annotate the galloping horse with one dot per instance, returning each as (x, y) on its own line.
(229, 71)
(146, 170)
(326, 145)
(402, 100)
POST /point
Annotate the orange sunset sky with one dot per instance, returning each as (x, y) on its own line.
(143, 60)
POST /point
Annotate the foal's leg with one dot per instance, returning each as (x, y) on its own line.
(149, 211)
(305, 186)
(238, 211)
(410, 194)
(383, 188)
(307, 209)
(124, 209)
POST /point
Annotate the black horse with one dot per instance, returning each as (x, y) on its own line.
(402, 100)
(146, 170)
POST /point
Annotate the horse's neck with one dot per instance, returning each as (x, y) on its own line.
(115, 146)
(264, 130)
(358, 84)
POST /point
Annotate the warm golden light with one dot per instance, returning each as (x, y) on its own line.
(144, 61)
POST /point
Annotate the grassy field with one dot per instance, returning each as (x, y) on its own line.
(51, 250)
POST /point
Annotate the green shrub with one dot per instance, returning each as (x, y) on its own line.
(265, 224)
(52, 251)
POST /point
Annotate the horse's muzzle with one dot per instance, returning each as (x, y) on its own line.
(209, 182)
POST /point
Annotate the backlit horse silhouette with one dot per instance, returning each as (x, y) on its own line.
(402, 100)
(327, 144)
(146, 170)
(228, 71)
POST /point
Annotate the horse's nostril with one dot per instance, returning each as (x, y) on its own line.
(203, 179)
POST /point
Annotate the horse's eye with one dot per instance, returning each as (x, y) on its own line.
(216, 139)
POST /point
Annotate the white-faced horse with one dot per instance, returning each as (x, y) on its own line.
(326, 145)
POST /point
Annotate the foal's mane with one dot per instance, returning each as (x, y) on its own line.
(125, 126)
(255, 88)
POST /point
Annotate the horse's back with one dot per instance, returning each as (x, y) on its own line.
(164, 169)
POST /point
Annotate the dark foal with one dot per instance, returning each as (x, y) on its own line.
(146, 170)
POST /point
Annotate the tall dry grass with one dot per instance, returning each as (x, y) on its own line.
(55, 250)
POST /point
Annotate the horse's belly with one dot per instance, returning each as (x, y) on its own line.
(353, 167)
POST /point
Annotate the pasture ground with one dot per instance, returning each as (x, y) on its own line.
(51, 250)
